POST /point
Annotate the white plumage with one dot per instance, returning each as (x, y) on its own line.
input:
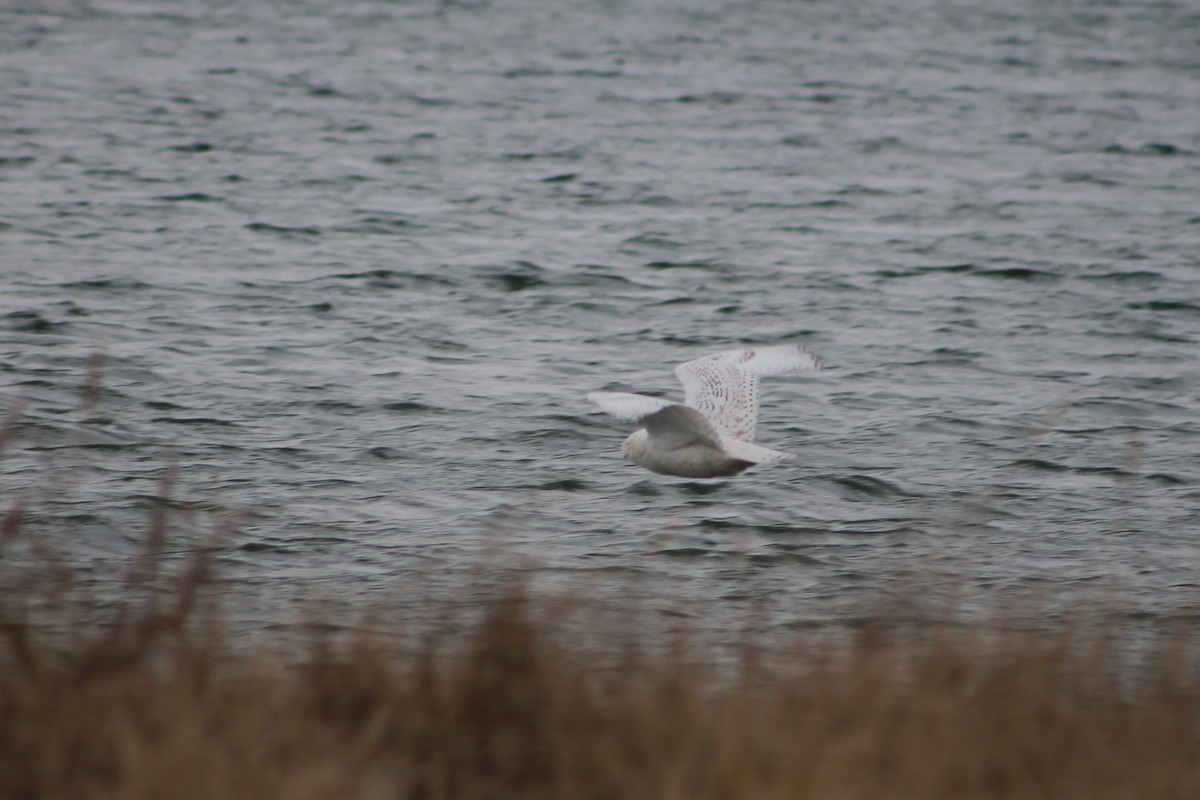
(710, 434)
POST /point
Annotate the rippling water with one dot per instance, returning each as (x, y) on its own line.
(353, 268)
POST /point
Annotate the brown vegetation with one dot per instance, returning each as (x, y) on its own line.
(151, 701)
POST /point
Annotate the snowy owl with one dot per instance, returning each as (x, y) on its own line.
(710, 434)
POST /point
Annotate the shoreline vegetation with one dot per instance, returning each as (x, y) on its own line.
(152, 696)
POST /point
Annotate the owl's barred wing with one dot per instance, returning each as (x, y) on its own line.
(724, 386)
(776, 359)
(627, 406)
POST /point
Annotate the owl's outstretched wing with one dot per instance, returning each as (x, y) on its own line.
(724, 386)
(627, 406)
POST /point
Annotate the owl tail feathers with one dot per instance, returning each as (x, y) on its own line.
(745, 451)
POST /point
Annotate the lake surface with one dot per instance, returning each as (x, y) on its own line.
(352, 268)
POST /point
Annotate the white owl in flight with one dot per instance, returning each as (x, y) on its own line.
(711, 433)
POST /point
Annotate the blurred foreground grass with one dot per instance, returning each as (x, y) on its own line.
(151, 697)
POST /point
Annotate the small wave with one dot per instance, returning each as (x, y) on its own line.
(698, 489)
(1088, 178)
(774, 557)
(190, 197)
(595, 275)
(564, 485)
(653, 239)
(801, 140)
(644, 489)
(1149, 149)
(340, 406)
(684, 552)
(518, 276)
(711, 98)
(383, 226)
(262, 546)
(192, 147)
(33, 322)
(1140, 276)
(918, 271)
(865, 487)
(163, 405)
(703, 265)
(284, 230)
(519, 282)
(195, 421)
(941, 423)
(768, 529)
(388, 278)
(123, 284)
(1166, 305)
(1166, 479)
(1043, 465)
(859, 190)
(1024, 274)
(410, 407)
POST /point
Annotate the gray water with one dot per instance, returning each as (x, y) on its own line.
(352, 268)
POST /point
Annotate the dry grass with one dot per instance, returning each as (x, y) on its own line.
(150, 701)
